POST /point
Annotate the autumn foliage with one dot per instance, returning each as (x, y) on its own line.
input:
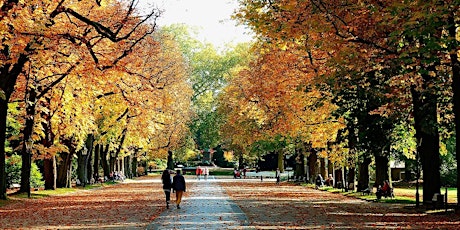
(89, 74)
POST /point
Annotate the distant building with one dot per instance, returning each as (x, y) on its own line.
(397, 170)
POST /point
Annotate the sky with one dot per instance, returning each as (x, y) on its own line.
(211, 17)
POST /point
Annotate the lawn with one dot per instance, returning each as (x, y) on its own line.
(402, 195)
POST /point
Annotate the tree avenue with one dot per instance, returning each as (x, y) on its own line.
(327, 87)
(89, 77)
(389, 61)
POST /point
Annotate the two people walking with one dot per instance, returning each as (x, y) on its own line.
(177, 185)
(202, 171)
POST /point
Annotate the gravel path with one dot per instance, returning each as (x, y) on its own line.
(206, 207)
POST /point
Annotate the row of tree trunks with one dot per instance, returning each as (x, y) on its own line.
(344, 175)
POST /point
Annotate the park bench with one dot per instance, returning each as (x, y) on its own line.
(366, 191)
(437, 201)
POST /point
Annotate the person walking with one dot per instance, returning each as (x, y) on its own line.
(206, 173)
(179, 187)
(278, 176)
(198, 172)
(167, 184)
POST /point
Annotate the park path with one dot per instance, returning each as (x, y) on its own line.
(206, 207)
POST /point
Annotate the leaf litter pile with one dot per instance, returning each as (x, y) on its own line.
(289, 206)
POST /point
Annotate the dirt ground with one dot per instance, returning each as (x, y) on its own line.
(288, 206)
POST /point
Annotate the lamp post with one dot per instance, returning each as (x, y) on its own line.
(29, 143)
(84, 153)
(417, 168)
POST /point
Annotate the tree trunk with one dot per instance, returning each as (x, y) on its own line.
(127, 165)
(82, 160)
(27, 141)
(455, 64)
(299, 165)
(63, 170)
(363, 174)
(9, 75)
(351, 178)
(323, 167)
(49, 160)
(82, 157)
(50, 172)
(96, 161)
(170, 163)
(3, 115)
(409, 169)
(330, 167)
(280, 164)
(134, 166)
(312, 165)
(112, 161)
(425, 123)
(382, 169)
(89, 165)
(105, 164)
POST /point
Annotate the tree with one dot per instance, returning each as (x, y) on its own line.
(355, 31)
(30, 26)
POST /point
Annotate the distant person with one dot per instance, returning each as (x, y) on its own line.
(330, 181)
(386, 186)
(278, 176)
(198, 172)
(178, 186)
(206, 173)
(167, 184)
(244, 172)
(319, 181)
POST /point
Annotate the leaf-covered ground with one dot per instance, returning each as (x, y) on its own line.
(131, 205)
(135, 204)
(288, 206)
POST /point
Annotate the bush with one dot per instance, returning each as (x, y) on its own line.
(36, 178)
(13, 173)
(13, 170)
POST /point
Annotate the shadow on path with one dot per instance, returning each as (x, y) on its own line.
(207, 207)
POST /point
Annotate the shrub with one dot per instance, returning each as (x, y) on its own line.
(13, 172)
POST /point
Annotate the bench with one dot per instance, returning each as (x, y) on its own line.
(366, 191)
(438, 201)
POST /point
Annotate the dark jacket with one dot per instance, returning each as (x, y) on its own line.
(178, 183)
(166, 179)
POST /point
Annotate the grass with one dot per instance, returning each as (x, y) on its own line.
(38, 194)
(402, 195)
